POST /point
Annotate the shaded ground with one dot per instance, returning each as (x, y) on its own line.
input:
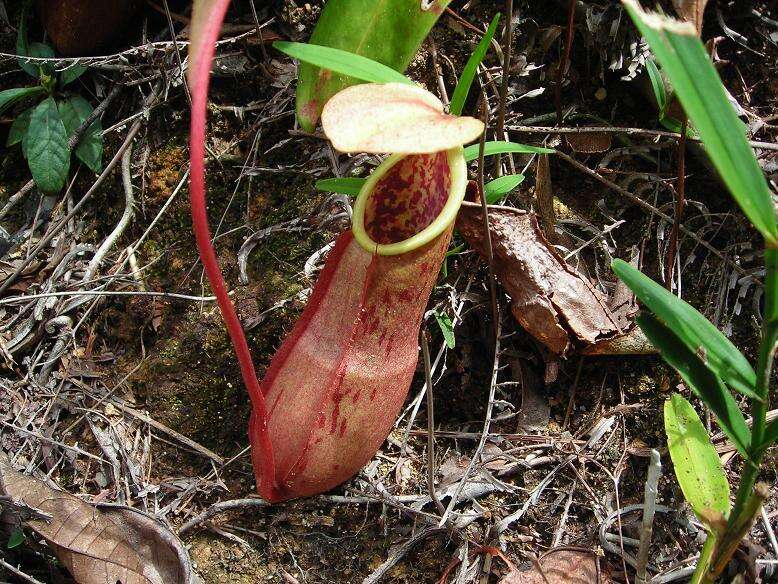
(171, 358)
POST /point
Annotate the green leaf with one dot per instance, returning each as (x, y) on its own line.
(700, 91)
(74, 111)
(701, 380)
(697, 465)
(658, 85)
(70, 74)
(499, 187)
(387, 31)
(347, 186)
(22, 48)
(499, 147)
(770, 436)
(41, 51)
(447, 328)
(693, 329)
(341, 61)
(16, 539)
(9, 97)
(47, 147)
(471, 67)
(19, 129)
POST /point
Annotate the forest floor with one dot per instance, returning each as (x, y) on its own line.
(140, 400)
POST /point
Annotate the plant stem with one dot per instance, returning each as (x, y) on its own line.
(748, 500)
(701, 574)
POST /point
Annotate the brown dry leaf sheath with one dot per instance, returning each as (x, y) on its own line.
(560, 566)
(552, 301)
(101, 545)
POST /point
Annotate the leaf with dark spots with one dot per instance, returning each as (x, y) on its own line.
(104, 544)
(550, 299)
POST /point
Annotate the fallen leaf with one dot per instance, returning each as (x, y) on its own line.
(394, 118)
(550, 300)
(691, 11)
(560, 566)
(107, 544)
(589, 142)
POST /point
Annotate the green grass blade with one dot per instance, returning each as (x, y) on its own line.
(499, 187)
(770, 436)
(342, 62)
(698, 87)
(658, 85)
(697, 465)
(693, 329)
(347, 186)
(468, 73)
(500, 147)
(447, 328)
(701, 380)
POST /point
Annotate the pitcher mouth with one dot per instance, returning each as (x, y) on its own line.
(409, 200)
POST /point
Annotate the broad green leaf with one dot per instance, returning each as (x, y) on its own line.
(658, 85)
(447, 328)
(18, 129)
(74, 111)
(693, 329)
(71, 74)
(471, 67)
(41, 51)
(47, 147)
(500, 147)
(387, 31)
(701, 380)
(700, 91)
(499, 187)
(15, 539)
(697, 465)
(343, 62)
(9, 97)
(347, 186)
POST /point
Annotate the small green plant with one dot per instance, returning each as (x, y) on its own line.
(707, 361)
(45, 127)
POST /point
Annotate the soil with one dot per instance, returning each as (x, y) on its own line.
(173, 359)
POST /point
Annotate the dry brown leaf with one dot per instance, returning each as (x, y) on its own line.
(560, 566)
(552, 301)
(394, 118)
(589, 142)
(691, 11)
(103, 545)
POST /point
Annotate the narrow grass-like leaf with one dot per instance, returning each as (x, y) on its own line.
(658, 85)
(499, 187)
(47, 147)
(701, 380)
(770, 436)
(447, 328)
(468, 73)
(500, 147)
(693, 329)
(347, 186)
(699, 89)
(342, 62)
(22, 47)
(18, 129)
(74, 111)
(697, 465)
